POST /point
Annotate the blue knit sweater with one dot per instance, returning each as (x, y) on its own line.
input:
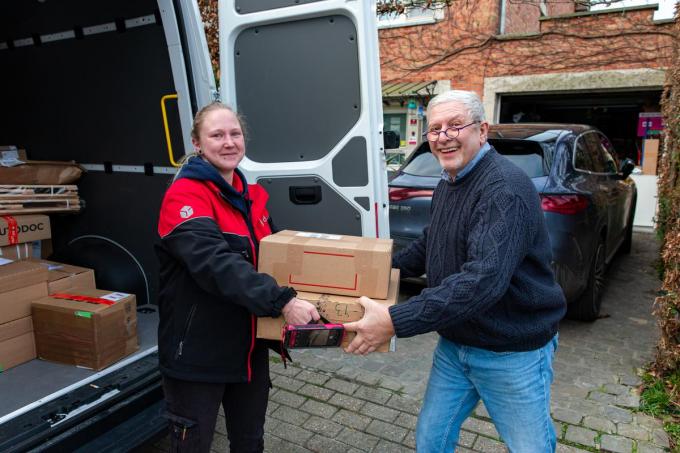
(487, 257)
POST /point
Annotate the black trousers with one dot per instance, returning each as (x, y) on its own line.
(192, 409)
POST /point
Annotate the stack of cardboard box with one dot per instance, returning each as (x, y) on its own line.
(332, 272)
(21, 282)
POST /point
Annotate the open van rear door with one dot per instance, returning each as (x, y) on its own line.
(305, 76)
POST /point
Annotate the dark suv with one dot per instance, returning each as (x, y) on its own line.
(587, 198)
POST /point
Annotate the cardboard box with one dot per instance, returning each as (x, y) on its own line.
(16, 304)
(41, 172)
(23, 228)
(62, 277)
(17, 344)
(327, 263)
(86, 334)
(651, 156)
(19, 274)
(336, 309)
(19, 251)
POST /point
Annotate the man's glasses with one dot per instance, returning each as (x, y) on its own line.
(451, 132)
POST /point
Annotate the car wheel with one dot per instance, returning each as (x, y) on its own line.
(627, 244)
(587, 307)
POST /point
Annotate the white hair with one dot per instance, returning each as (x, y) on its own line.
(468, 98)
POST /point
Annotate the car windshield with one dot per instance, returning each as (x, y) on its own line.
(534, 158)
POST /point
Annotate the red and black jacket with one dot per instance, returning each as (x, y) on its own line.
(210, 290)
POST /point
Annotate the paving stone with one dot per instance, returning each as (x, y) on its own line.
(387, 431)
(630, 380)
(391, 384)
(279, 369)
(633, 431)
(489, 445)
(410, 440)
(351, 419)
(648, 421)
(567, 416)
(602, 397)
(357, 439)
(628, 401)
(390, 447)
(347, 372)
(659, 437)
(616, 444)
(581, 436)
(340, 385)
(466, 438)
(271, 406)
(617, 414)
(319, 408)
(316, 392)
(481, 427)
(599, 424)
(617, 389)
(275, 444)
(322, 444)
(562, 448)
(368, 378)
(559, 428)
(288, 398)
(646, 447)
(481, 411)
(290, 415)
(312, 377)
(219, 443)
(379, 412)
(346, 402)
(323, 426)
(372, 394)
(406, 420)
(405, 404)
(220, 425)
(287, 383)
(291, 433)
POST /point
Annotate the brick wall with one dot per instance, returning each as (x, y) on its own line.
(463, 48)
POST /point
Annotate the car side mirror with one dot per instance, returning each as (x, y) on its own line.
(390, 140)
(627, 167)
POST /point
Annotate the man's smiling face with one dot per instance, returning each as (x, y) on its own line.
(455, 153)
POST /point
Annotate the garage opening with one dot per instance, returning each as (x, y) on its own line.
(614, 113)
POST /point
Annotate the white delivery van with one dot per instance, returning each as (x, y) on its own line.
(113, 85)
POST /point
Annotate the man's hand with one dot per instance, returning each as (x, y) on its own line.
(299, 311)
(374, 329)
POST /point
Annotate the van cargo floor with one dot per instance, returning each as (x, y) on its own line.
(31, 381)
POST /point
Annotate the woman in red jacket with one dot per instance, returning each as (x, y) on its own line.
(210, 225)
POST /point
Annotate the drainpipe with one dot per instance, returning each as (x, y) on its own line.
(501, 19)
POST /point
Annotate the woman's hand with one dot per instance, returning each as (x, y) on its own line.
(298, 311)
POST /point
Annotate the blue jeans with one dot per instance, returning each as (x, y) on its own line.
(514, 386)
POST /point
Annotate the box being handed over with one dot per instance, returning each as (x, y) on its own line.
(90, 328)
(336, 309)
(328, 263)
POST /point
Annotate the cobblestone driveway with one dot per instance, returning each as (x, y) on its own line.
(328, 401)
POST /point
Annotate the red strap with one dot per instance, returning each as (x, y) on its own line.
(12, 229)
(79, 298)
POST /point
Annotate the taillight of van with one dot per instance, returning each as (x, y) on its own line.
(564, 204)
(404, 193)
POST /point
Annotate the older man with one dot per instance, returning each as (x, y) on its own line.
(491, 294)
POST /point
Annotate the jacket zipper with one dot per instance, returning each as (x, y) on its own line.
(253, 323)
(178, 353)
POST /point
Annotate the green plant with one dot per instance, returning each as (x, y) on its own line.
(659, 399)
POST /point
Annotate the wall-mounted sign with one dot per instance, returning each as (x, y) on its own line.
(649, 123)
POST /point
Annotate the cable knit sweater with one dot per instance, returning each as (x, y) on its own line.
(487, 257)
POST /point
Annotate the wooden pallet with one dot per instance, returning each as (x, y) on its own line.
(38, 191)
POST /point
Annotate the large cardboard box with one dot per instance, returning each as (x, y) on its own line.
(336, 309)
(89, 334)
(41, 172)
(23, 228)
(328, 263)
(16, 343)
(651, 156)
(62, 277)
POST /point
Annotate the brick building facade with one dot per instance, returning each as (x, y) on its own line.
(537, 60)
